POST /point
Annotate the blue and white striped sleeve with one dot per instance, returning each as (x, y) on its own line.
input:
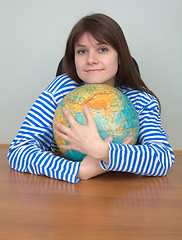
(29, 150)
(153, 156)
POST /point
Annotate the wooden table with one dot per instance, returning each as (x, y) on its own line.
(111, 206)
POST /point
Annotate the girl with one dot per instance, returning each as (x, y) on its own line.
(96, 52)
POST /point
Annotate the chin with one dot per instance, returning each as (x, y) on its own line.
(94, 81)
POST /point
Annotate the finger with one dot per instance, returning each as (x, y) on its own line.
(66, 146)
(109, 139)
(69, 116)
(61, 127)
(88, 115)
(129, 140)
(62, 135)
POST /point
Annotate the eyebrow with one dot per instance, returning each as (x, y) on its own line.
(99, 43)
(79, 45)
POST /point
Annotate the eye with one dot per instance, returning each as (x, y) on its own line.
(103, 49)
(81, 51)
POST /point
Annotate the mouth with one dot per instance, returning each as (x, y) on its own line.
(93, 70)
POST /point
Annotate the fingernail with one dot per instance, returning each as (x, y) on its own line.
(54, 123)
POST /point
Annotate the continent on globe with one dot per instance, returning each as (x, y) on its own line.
(112, 110)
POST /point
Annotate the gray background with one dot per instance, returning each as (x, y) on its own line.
(32, 41)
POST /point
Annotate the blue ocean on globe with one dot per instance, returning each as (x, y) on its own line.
(112, 110)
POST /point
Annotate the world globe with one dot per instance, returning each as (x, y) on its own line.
(112, 110)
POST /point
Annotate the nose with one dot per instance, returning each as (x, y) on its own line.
(92, 58)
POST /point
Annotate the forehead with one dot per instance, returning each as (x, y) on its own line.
(87, 38)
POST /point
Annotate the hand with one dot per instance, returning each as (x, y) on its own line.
(90, 167)
(83, 138)
(128, 141)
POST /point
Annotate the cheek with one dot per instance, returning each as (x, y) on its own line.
(114, 64)
(79, 68)
(79, 62)
(77, 65)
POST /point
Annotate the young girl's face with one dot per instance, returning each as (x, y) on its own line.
(95, 62)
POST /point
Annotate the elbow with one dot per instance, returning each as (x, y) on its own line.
(15, 157)
(166, 161)
(11, 157)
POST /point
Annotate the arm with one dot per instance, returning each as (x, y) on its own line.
(154, 155)
(29, 150)
(91, 167)
(86, 139)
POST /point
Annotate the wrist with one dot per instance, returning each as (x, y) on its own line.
(100, 151)
(89, 168)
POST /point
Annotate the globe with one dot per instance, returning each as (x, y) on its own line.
(112, 110)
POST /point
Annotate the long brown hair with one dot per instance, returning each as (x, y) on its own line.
(105, 29)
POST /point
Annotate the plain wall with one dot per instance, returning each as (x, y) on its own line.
(32, 41)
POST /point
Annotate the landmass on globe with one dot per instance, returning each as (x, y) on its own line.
(112, 110)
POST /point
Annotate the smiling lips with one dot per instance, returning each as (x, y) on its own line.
(94, 70)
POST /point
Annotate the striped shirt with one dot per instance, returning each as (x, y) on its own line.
(29, 151)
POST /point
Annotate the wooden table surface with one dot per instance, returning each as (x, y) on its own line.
(112, 206)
